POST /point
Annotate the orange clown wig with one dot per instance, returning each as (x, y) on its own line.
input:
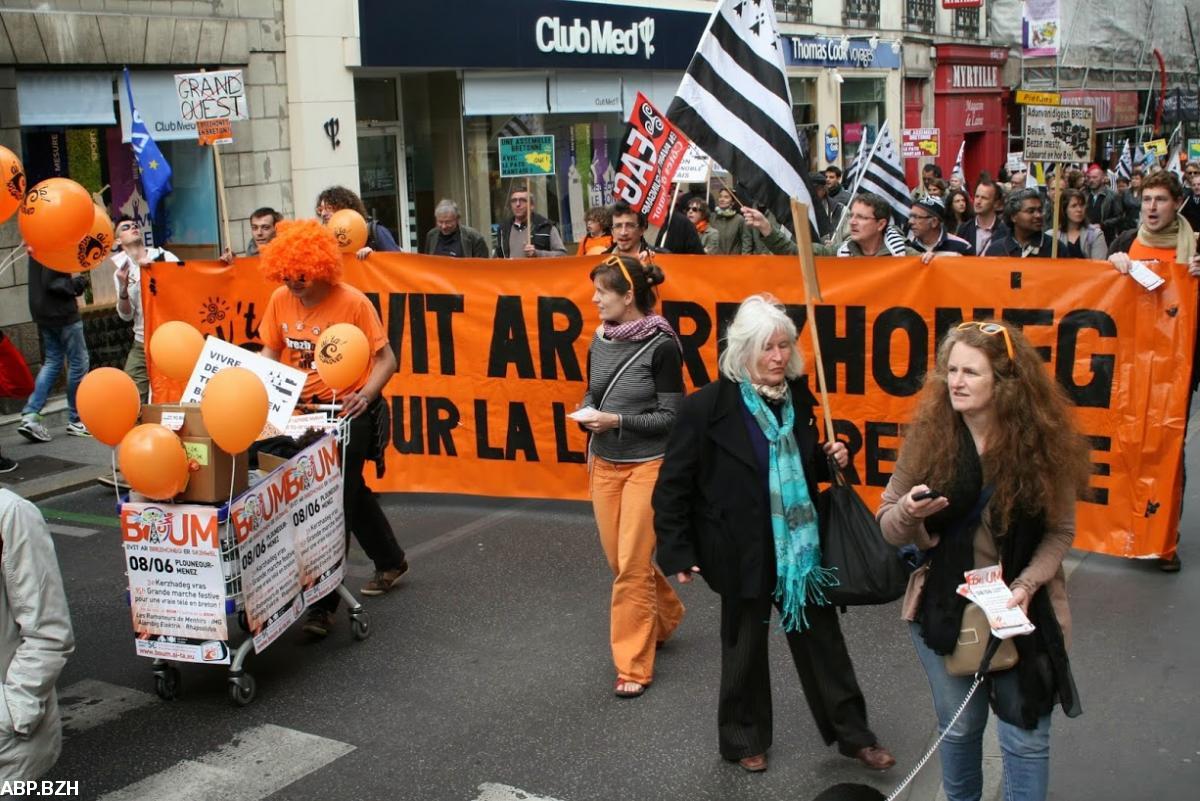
(301, 248)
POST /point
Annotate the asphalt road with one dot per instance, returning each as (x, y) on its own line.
(487, 678)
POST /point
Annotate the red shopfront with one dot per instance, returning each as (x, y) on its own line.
(970, 103)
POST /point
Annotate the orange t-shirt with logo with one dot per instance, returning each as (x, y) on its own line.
(1141, 252)
(292, 330)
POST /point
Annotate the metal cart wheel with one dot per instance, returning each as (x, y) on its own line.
(360, 625)
(242, 689)
(167, 682)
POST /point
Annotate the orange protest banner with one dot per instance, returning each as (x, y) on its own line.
(492, 357)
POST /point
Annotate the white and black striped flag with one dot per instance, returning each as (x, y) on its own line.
(883, 174)
(734, 103)
(1125, 163)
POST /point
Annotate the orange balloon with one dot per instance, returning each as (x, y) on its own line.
(350, 230)
(86, 254)
(153, 461)
(234, 408)
(108, 403)
(175, 348)
(55, 214)
(12, 183)
(342, 356)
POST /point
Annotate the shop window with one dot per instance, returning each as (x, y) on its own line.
(375, 99)
(966, 22)
(919, 15)
(864, 109)
(585, 151)
(794, 10)
(861, 13)
(804, 112)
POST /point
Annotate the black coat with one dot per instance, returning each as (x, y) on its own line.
(711, 504)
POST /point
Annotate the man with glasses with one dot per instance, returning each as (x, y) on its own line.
(131, 256)
(927, 232)
(1017, 177)
(871, 232)
(629, 233)
(527, 234)
(1025, 214)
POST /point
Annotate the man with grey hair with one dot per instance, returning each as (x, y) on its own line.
(450, 238)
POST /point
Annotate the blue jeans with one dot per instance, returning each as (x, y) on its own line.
(59, 343)
(1025, 752)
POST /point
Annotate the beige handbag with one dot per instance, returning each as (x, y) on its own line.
(973, 637)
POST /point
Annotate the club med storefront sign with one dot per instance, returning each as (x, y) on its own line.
(594, 37)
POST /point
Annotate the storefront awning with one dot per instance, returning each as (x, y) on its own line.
(65, 98)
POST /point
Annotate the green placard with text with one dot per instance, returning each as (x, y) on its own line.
(526, 155)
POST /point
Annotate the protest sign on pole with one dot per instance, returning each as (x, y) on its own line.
(920, 142)
(524, 156)
(176, 586)
(694, 167)
(213, 100)
(1061, 134)
(651, 151)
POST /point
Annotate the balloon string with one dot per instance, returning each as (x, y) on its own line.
(116, 484)
(11, 258)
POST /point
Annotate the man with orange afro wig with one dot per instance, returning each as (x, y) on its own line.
(304, 256)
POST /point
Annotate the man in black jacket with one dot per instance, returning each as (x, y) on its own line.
(1025, 216)
(53, 306)
(986, 225)
(527, 234)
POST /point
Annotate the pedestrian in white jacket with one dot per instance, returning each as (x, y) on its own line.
(35, 641)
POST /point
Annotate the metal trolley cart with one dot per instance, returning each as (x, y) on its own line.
(242, 687)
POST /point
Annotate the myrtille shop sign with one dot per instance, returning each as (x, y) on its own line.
(530, 34)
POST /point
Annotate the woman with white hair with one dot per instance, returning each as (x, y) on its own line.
(735, 503)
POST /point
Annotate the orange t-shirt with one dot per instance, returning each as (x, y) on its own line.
(1140, 252)
(594, 245)
(293, 330)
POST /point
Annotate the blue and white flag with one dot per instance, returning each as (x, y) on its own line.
(156, 172)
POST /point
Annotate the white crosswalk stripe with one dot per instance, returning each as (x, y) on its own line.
(70, 531)
(257, 762)
(503, 792)
(89, 703)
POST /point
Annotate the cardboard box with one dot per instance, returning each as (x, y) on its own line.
(209, 480)
(267, 462)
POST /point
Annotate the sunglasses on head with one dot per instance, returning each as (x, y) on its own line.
(992, 329)
(616, 261)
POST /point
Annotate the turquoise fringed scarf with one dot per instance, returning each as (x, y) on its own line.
(799, 575)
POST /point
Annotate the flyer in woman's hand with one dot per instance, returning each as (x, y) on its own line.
(985, 586)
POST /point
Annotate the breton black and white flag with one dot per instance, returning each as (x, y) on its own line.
(734, 103)
(1125, 163)
(883, 174)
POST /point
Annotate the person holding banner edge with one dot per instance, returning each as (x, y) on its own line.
(1163, 236)
(734, 504)
(635, 386)
(304, 256)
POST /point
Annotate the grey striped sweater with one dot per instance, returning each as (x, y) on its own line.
(647, 396)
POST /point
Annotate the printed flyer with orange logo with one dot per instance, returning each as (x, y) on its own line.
(176, 587)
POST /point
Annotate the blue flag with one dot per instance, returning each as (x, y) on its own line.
(156, 172)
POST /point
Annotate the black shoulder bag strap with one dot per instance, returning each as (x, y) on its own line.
(612, 382)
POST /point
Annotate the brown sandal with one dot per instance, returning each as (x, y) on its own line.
(624, 693)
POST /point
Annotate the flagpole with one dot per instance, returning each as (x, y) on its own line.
(812, 291)
(663, 234)
(221, 196)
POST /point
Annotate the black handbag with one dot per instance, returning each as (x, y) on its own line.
(868, 569)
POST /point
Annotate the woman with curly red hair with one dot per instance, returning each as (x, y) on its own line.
(995, 437)
(304, 256)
